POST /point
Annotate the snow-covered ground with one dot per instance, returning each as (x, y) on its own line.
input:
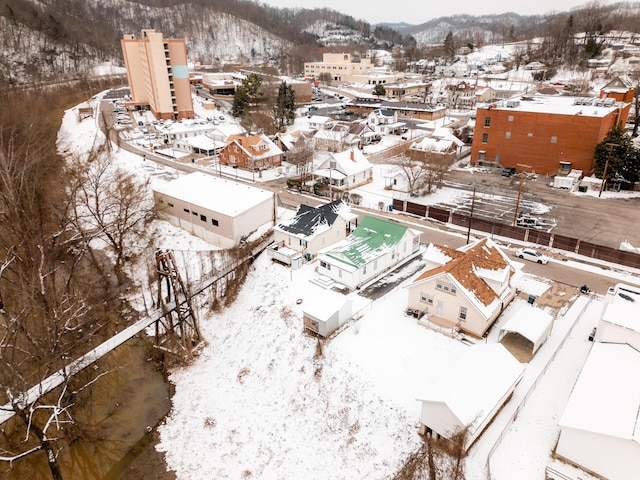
(261, 400)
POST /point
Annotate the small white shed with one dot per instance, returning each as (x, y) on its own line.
(529, 322)
(324, 314)
(620, 322)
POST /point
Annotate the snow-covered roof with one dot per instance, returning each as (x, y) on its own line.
(256, 146)
(320, 120)
(555, 105)
(185, 126)
(606, 396)
(214, 193)
(372, 239)
(473, 385)
(203, 142)
(470, 267)
(624, 308)
(349, 162)
(309, 222)
(532, 323)
(429, 144)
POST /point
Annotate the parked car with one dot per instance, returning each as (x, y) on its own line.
(507, 172)
(532, 255)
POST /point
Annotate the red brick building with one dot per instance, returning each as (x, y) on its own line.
(546, 134)
(251, 152)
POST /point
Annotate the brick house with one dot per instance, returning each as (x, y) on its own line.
(251, 152)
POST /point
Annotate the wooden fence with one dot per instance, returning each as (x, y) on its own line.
(523, 234)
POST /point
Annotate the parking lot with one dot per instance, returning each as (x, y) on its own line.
(604, 221)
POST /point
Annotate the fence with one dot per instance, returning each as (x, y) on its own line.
(523, 234)
(573, 321)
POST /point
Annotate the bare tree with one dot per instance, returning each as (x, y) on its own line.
(412, 171)
(109, 204)
(302, 156)
(436, 459)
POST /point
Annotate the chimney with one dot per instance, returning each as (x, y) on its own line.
(352, 156)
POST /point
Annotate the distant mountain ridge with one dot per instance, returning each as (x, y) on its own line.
(67, 38)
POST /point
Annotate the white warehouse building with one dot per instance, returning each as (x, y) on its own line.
(219, 211)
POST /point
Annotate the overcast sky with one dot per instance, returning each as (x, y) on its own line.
(416, 12)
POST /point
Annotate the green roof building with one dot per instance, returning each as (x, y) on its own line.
(372, 249)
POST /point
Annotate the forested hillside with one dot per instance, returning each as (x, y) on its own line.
(68, 38)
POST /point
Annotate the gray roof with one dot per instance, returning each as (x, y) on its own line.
(308, 219)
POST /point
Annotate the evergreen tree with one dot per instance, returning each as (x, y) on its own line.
(246, 95)
(449, 46)
(617, 156)
(285, 106)
(379, 90)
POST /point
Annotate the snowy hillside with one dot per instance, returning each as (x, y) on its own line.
(262, 402)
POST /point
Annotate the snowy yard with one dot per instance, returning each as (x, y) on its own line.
(262, 402)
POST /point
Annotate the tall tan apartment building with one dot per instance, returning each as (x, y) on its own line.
(158, 74)
(339, 66)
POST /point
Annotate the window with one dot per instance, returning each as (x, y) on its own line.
(481, 155)
(426, 298)
(487, 121)
(203, 218)
(195, 213)
(530, 134)
(214, 222)
(170, 204)
(554, 139)
(510, 118)
(463, 313)
(186, 210)
(507, 135)
(485, 137)
(446, 287)
(303, 243)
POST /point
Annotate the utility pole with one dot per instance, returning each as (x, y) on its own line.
(473, 202)
(515, 215)
(606, 166)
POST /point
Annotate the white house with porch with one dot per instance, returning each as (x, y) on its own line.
(345, 170)
(375, 247)
(384, 121)
(315, 228)
(464, 289)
